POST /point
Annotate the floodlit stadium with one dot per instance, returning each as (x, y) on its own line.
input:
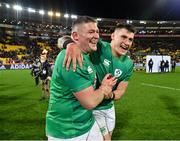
(150, 108)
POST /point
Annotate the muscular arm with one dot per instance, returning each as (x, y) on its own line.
(90, 98)
(119, 92)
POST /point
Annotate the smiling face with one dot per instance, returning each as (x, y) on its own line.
(122, 40)
(86, 34)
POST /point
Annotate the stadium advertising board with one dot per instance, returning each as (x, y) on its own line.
(157, 61)
(21, 66)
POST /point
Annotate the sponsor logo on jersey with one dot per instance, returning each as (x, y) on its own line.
(89, 69)
(117, 72)
(106, 62)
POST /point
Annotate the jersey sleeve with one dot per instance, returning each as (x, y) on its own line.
(77, 80)
(129, 72)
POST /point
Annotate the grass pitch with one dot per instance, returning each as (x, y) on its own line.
(150, 109)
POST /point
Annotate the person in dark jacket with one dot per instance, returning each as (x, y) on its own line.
(150, 65)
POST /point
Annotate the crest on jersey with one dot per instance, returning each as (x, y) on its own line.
(117, 72)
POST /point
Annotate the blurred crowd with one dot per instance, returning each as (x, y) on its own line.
(22, 41)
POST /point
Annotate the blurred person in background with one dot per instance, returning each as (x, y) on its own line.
(35, 70)
(150, 65)
(166, 66)
(45, 71)
(173, 65)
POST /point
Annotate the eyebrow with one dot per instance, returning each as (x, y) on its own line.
(124, 36)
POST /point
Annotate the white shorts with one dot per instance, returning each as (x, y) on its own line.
(105, 119)
(94, 134)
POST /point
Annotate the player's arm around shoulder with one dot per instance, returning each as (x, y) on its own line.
(73, 53)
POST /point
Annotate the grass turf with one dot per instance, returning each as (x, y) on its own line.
(150, 109)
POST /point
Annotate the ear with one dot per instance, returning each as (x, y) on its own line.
(74, 36)
(112, 36)
(133, 44)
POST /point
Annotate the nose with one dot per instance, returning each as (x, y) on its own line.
(127, 42)
(96, 35)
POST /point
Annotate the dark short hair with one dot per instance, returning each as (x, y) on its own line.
(129, 27)
(83, 19)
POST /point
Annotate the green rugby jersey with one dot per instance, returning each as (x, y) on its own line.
(65, 117)
(104, 62)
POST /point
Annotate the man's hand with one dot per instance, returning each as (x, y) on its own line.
(73, 53)
(109, 80)
(107, 84)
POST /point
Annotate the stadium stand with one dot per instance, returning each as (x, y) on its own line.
(23, 38)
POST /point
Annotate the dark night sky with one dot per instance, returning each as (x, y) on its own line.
(120, 9)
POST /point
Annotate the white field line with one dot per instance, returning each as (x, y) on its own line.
(159, 86)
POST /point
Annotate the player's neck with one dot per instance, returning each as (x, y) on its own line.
(115, 54)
